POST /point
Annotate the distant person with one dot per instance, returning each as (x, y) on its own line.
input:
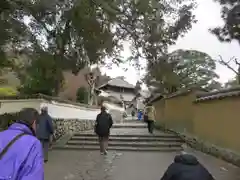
(140, 114)
(149, 117)
(133, 114)
(45, 131)
(186, 167)
(21, 155)
(102, 128)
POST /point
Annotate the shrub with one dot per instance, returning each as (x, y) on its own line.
(8, 91)
(7, 119)
(82, 95)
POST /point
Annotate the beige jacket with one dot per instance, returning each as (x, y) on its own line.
(150, 110)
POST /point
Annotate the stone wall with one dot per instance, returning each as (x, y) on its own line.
(206, 121)
(67, 126)
(206, 147)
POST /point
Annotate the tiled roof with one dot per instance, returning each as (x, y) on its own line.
(118, 82)
(155, 98)
(221, 94)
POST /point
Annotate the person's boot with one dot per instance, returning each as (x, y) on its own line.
(105, 147)
(105, 152)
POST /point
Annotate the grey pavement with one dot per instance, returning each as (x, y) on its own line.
(87, 165)
(90, 165)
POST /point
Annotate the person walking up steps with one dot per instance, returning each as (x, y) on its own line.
(102, 128)
(149, 117)
(44, 131)
(21, 155)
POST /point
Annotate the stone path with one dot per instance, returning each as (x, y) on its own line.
(124, 137)
(129, 131)
(90, 165)
(84, 165)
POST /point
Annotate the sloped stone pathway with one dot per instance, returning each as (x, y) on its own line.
(90, 165)
(117, 165)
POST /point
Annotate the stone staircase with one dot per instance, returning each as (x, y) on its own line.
(126, 137)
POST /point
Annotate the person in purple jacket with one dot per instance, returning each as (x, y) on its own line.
(21, 156)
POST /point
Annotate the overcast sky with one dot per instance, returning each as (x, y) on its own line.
(199, 38)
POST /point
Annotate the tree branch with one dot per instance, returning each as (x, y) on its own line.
(221, 61)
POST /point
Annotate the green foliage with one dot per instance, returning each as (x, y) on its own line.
(80, 33)
(82, 95)
(43, 77)
(183, 69)
(7, 119)
(230, 15)
(87, 31)
(14, 34)
(8, 91)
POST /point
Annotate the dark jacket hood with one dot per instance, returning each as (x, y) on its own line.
(186, 159)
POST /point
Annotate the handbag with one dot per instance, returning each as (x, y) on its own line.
(145, 118)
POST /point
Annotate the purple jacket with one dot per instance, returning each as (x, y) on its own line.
(24, 159)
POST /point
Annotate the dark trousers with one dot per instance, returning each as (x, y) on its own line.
(103, 142)
(150, 125)
(45, 146)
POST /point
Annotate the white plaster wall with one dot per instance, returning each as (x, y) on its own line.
(126, 95)
(112, 106)
(56, 110)
(140, 104)
(68, 111)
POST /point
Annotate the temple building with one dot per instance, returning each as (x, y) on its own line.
(118, 90)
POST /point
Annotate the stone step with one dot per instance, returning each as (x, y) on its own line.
(127, 144)
(132, 121)
(122, 148)
(150, 136)
(130, 125)
(129, 139)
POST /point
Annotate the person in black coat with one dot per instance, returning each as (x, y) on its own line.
(186, 167)
(102, 128)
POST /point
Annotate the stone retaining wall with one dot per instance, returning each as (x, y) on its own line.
(67, 126)
(206, 147)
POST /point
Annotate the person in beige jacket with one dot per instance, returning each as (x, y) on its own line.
(149, 117)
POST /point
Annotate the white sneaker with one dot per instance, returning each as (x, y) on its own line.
(105, 152)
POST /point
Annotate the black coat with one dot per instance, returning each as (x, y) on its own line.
(103, 124)
(186, 167)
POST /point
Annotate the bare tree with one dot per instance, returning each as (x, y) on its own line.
(92, 80)
(227, 64)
